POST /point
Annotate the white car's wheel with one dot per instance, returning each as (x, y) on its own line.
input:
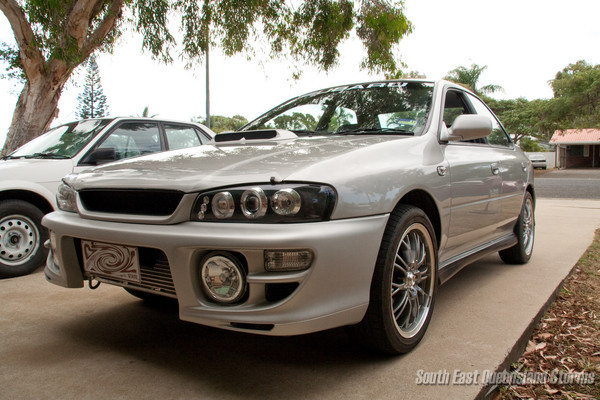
(404, 284)
(21, 238)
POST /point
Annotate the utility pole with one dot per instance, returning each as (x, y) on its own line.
(207, 86)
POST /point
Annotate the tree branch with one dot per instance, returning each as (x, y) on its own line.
(109, 22)
(30, 54)
(79, 19)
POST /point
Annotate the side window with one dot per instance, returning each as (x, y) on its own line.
(133, 139)
(454, 106)
(182, 136)
(498, 137)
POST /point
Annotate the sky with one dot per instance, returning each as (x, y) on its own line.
(524, 43)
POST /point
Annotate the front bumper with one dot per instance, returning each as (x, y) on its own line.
(333, 292)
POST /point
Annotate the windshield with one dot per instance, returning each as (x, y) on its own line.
(373, 108)
(64, 141)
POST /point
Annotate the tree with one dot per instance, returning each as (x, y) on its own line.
(146, 113)
(523, 118)
(219, 123)
(92, 101)
(400, 74)
(469, 77)
(576, 102)
(54, 37)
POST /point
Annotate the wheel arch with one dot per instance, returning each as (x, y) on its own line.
(424, 201)
(31, 197)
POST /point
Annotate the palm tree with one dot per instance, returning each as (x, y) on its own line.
(469, 77)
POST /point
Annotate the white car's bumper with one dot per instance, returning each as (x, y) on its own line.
(332, 292)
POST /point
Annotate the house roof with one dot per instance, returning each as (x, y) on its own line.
(576, 136)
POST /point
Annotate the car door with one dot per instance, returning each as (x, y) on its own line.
(474, 168)
(513, 168)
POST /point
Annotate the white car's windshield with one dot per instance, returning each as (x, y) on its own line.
(64, 141)
(374, 108)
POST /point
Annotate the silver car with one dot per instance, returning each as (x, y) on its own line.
(343, 207)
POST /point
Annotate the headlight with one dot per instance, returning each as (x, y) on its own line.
(66, 197)
(266, 203)
(254, 203)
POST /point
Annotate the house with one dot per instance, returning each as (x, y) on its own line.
(577, 148)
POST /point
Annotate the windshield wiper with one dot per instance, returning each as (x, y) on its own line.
(47, 155)
(9, 157)
(375, 131)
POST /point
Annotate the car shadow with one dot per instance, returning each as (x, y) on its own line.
(238, 364)
(246, 365)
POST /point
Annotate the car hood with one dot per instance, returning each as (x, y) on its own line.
(218, 165)
(34, 170)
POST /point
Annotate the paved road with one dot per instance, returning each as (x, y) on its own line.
(60, 343)
(569, 184)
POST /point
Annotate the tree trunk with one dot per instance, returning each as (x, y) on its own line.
(35, 110)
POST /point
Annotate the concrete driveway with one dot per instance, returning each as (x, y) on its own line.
(81, 344)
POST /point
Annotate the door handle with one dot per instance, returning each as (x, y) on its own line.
(495, 169)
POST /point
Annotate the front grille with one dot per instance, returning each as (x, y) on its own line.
(131, 201)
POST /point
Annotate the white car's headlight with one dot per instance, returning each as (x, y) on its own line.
(279, 203)
(66, 197)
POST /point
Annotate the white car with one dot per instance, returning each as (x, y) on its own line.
(538, 161)
(29, 176)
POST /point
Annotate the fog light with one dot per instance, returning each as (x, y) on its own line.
(223, 278)
(288, 260)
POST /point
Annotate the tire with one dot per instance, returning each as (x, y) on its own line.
(521, 252)
(22, 238)
(404, 284)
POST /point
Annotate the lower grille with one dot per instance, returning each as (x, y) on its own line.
(155, 277)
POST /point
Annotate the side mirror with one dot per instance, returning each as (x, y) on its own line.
(467, 127)
(100, 156)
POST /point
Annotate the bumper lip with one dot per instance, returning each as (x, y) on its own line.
(333, 292)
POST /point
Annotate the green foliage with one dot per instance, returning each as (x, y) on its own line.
(309, 32)
(92, 101)
(380, 26)
(219, 123)
(10, 56)
(399, 74)
(521, 117)
(469, 77)
(576, 102)
(530, 145)
(146, 113)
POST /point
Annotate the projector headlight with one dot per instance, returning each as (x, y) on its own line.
(281, 203)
